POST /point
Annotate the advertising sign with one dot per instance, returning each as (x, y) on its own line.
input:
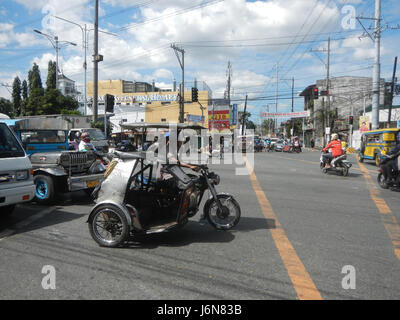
(219, 120)
(276, 115)
(364, 124)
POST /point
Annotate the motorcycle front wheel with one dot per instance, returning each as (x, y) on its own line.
(226, 218)
(108, 226)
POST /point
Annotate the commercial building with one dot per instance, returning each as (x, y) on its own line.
(331, 111)
(159, 105)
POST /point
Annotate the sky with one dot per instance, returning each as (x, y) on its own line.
(254, 36)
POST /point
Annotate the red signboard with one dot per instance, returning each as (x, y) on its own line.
(219, 120)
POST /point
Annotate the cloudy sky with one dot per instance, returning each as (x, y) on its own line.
(255, 36)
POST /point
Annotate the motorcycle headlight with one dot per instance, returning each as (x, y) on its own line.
(215, 179)
(22, 175)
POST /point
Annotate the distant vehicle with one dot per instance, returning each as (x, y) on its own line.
(16, 180)
(278, 146)
(258, 145)
(97, 136)
(126, 146)
(376, 144)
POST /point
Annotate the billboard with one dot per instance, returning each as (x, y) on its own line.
(364, 124)
(219, 120)
(276, 115)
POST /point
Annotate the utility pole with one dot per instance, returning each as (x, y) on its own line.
(377, 67)
(276, 96)
(328, 107)
(229, 82)
(325, 110)
(182, 87)
(244, 116)
(95, 62)
(392, 91)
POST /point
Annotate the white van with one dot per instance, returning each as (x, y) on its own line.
(16, 180)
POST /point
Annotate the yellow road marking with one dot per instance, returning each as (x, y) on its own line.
(301, 280)
(388, 219)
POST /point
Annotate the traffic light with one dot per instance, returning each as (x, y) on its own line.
(195, 95)
(315, 93)
(351, 119)
(109, 103)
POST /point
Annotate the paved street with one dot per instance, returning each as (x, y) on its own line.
(299, 229)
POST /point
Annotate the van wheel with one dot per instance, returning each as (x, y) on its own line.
(44, 189)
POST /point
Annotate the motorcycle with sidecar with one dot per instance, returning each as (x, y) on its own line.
(131, 201)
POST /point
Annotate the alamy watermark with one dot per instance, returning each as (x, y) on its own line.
(349, 280)
(349, 20)
(49, 280)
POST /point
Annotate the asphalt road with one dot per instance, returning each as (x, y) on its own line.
(303, 235)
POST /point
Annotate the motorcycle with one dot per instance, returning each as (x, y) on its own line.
(131, 201)
(340, 165)
(381, 178)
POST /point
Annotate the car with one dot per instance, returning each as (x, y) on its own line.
(278, 146)
(126, 146)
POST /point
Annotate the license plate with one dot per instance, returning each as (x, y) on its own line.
(92, 184)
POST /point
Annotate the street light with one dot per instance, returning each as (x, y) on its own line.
(85, 44)
(55, 43)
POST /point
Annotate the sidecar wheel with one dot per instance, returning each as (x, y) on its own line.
(226, 219)
(108, 226)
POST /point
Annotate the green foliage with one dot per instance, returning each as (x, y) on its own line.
(100, 125)
(49, 101)
(6, 107)
(16, 96)
(51, 76)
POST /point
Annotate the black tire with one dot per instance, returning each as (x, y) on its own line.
(220, 220)
(7, 210)
(345, 171)
(382, 182)
(360, 158)
(44, 189)
(114, 224)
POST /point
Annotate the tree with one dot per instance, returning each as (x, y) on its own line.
(34, 79)
(51, 76)
(16, 96)
(24, 101)
(6, 107)
(35, 92)
(267, 126)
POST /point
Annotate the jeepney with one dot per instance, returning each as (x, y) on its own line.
(377, 143)
(55, 168)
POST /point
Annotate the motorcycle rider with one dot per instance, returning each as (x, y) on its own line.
(336, 150)
(392, 164)
(85, 144)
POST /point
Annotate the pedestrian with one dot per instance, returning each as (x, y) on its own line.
(312, 144)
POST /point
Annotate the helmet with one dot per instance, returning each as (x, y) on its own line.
(334, 136)
(85, 137)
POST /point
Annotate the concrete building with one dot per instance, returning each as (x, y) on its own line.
(159, 105)
(348, 96)
(67, 86)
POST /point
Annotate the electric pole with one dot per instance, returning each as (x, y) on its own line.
(244, 116)
(377, 67)
(182, 87)
(276, 96)
(95, 61)
(392, 91)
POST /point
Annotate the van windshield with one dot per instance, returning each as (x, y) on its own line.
(9, 145)
(95, 134)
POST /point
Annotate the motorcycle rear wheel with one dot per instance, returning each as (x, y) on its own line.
(226, 219)
(382, 182)
(108, 226)
(345, 171)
